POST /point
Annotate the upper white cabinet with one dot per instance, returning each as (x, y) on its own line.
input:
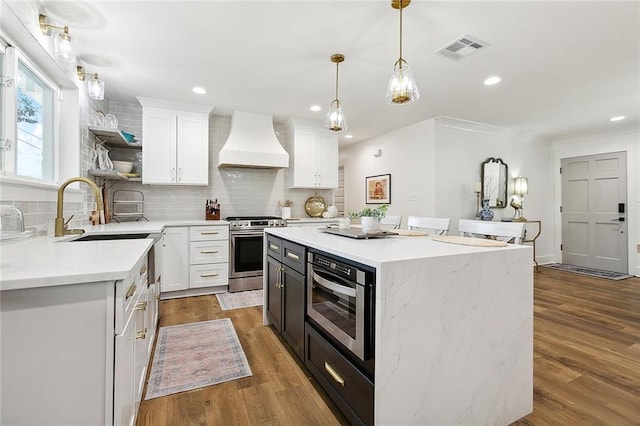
(175, 143)
(313, 155)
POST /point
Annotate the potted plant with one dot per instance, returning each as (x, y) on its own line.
(370, 217)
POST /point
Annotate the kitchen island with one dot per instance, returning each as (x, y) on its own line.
(453, 327)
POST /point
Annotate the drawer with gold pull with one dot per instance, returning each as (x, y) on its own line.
(209, 275)
(201, 252)
(208, 233)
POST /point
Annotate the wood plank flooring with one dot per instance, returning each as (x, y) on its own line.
(279, 392)
(586, 363)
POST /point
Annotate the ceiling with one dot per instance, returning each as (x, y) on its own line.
(566, 67)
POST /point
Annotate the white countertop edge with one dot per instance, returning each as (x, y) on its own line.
(377, 252)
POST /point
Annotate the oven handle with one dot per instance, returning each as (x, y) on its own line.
(348, 291)
(246, 233)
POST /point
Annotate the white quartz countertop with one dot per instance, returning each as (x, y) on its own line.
(51, 261)
(375, 252)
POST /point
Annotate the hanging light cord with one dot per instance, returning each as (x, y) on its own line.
(337, 68)
(400, 60)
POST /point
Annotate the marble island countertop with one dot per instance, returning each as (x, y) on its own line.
(51, 261)
(375, 252)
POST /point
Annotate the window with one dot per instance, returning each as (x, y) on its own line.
(28, 116)
(34, 130)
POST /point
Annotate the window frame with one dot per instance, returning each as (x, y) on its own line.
(14, 56)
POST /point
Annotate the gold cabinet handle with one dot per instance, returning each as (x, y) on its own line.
(208, 251)
(131, 291)
(333, 374)
(293, 255)
(274, 247)
(143, 269)
(142, 306)
(279, 285)
(209, 233)
(208, 275)
(141, 334)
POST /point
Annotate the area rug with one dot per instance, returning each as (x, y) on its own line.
(588, 271)
(191, 356)
(241, 299)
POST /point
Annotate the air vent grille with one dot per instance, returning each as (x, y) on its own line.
(461, 47)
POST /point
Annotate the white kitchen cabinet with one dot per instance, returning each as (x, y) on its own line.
(202, 262)
(72, 348)
(175, 143)
(175, 267)
(313, 153)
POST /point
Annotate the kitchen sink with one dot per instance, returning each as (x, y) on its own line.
(102, 237)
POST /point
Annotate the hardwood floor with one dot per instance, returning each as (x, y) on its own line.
(586, 350)
(586, 363)
(278, 393)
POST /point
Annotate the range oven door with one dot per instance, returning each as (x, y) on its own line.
(338, 307)
(245, 253)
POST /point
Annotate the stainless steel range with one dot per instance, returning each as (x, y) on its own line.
(246, 234)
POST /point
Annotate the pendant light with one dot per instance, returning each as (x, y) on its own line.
(335, 117)
(402, 87)
(62, 42)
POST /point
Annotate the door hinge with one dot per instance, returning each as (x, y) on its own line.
(560, 247)
(560, 209)
(560, 170)
(6, 81)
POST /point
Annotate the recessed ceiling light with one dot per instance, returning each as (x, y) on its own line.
(492, 80)
(618, 118)
(199, 90)
(348, 136)
(315, 108)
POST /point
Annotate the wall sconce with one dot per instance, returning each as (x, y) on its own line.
(95, 86)
(520, 187)
(62, 42)
(335, 117)
(402, 87)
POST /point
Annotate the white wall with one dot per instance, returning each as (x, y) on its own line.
(435, 164)
(408, 155)
(600, 144)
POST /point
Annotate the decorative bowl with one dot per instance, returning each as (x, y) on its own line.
(123, 166)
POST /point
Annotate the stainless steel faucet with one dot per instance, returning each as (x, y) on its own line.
(61, 226)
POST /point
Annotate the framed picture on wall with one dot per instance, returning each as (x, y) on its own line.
(378, 189)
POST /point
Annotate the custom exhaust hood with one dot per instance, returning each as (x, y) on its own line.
(252, 143)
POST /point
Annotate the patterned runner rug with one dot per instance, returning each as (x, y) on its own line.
(241, 299)
(191, 356)
(588, 271)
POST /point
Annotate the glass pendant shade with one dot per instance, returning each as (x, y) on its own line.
(63, 49)
(335, 118)
(402, 87)
(95, 86)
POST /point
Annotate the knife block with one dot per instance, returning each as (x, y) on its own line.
(214, 215)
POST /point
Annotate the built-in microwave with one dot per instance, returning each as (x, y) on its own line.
(341, 302)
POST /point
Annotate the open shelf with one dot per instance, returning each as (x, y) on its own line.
(112, 137)
(113, 175)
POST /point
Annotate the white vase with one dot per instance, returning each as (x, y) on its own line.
(369, 224)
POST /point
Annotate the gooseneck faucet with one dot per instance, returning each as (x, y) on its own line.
(61, 226)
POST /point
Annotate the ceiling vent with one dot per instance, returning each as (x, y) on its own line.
(461, 47)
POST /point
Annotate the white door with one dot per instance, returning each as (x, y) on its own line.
(175, 266)
(327, 160)
(158, 146)
(193, 149)
(594, 205)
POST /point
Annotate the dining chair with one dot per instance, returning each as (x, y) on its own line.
(503, 231)
(391, 221)
(433, 225)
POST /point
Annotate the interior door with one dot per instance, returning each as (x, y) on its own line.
(594, 205)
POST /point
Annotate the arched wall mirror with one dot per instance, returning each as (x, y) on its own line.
(494, 182)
